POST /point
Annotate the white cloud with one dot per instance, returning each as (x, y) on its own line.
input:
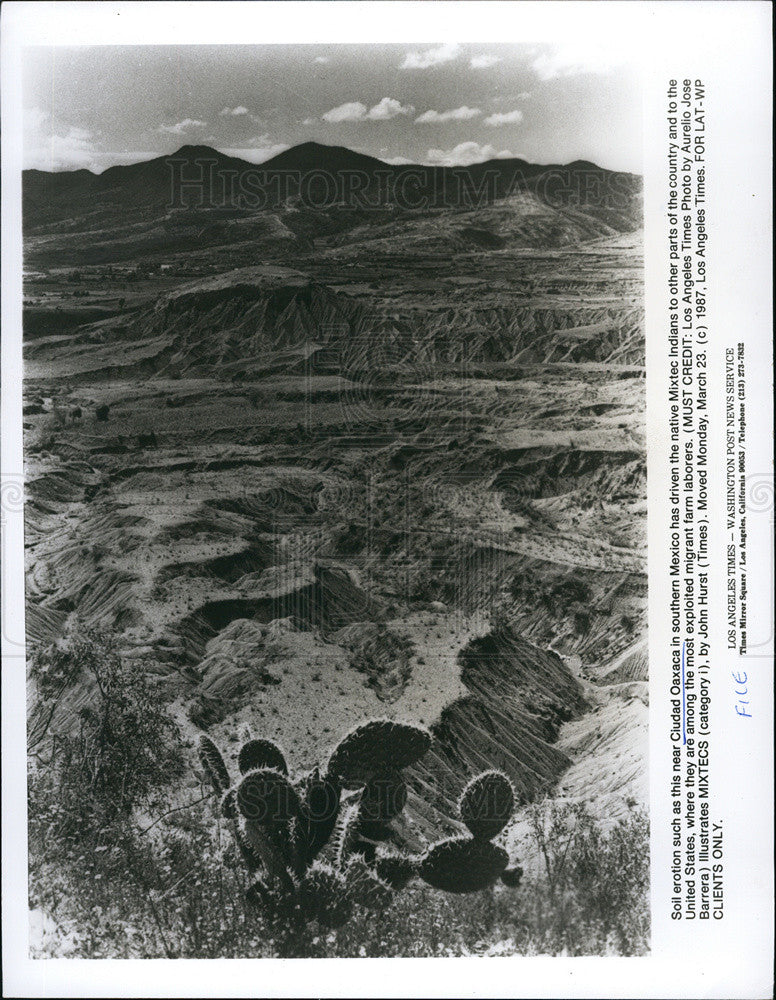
(308, 121)
(431, 57)
(355, 111)
(454, 114)
(389, 108)
(505, 118)
(574, 60)
(466, 153)
(34, 120)
(234, 112)
(74, 148)
(112, 158)
(396, 161)
(484, 62)
(351, 111)
(321, 59)
(48, 146)
(180, 127)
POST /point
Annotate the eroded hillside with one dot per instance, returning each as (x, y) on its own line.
(399, 472)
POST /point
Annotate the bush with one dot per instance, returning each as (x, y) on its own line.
(594, 889)
(121, 748)
(89, 863)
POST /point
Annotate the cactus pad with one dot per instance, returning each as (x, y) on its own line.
(229, 804)
(267, 797)
(262, 844)
(321, 797)
(376, 747)
(256, 754)
(383, 798)
(213, 764)
(251, 857)
(486, 804)
(345, 836)
(364, 886)
(512, 876)
(324, 897)
(320, 808)
(463, 865)
(395, 871)
(366, 850)
(374, 830)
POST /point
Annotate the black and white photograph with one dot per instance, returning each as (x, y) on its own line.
(385, 498)
(335, 477)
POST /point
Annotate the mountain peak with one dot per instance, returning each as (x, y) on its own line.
(189, 150)
(312, 155)
(311, 144)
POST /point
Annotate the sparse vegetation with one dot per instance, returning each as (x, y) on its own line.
(122, 748)
(595, 881)
(89, 777)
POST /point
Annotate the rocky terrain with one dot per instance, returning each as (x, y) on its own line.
(355, 462)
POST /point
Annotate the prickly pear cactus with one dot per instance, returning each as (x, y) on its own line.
(486, 805)
(229, 804)
(324, 896)
(376, 748)
(256, 754)
(267, 797)
(213, 764)
(365, 887)
(512, 876)
(463, 865)
(467, 864)
(315, 845)
(320, 803)
(383, 798)
(397, 871)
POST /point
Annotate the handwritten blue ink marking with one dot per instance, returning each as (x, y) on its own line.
(684, 702)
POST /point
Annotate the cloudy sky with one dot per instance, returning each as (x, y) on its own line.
(444, 104)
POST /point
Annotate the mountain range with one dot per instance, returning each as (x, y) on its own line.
(317, 177)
